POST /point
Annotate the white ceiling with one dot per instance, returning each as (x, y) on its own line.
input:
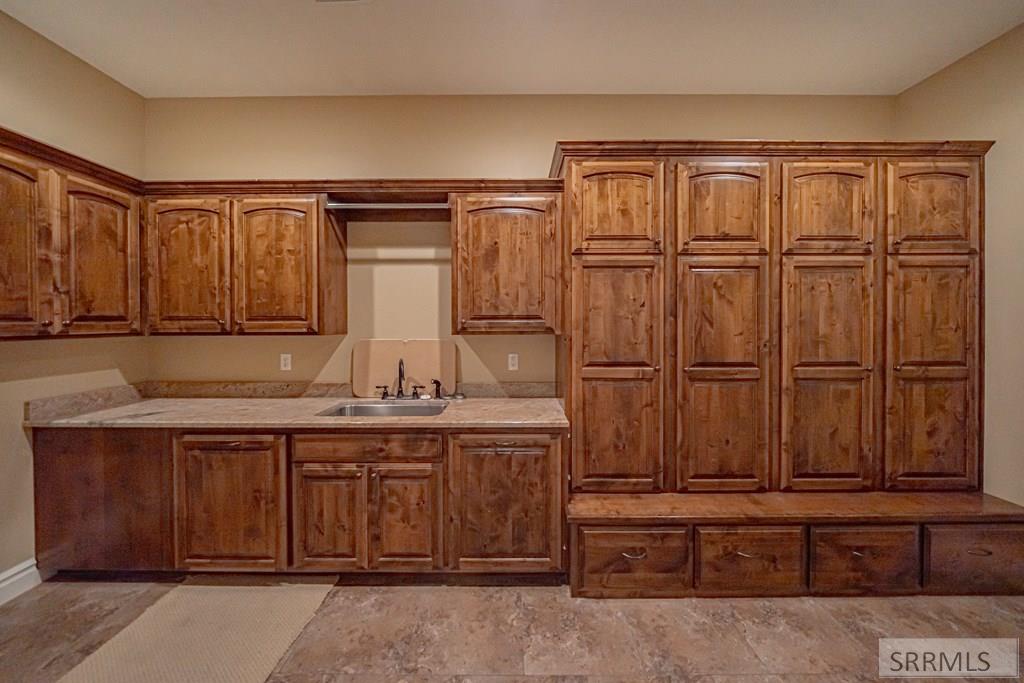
(207, 48)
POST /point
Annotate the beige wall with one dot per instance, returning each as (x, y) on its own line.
(49, 94)
(982, 96)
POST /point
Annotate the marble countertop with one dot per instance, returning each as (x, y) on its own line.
(301, 413)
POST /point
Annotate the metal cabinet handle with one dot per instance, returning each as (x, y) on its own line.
(66, 323)
(46, 323)
(897, 368)
(638, 556)
(979, 552)
(746, 555)
(857, 553)
(232, 444)
(505, 443)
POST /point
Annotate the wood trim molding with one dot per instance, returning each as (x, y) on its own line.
(647, 148)
(374, 189)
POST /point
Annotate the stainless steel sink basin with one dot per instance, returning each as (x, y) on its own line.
(387, 409)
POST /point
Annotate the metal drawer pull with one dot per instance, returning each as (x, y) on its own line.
(746, 555)
(232, 444)
(979, 552)
(857, 553)
(639, 556)
(505, 443)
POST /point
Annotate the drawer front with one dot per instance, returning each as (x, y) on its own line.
(865, 559)
(634, 562)
(750, 560)
(974, 558)
(368, 448)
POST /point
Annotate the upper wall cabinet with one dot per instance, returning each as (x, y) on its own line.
(828, 206)
(933, 205)
(275, 264)
(617, 206)
(722, 206)
(29, 213)
(505, 263)
(189, 265)
(101, 265)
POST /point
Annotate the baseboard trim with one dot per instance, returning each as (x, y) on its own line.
(19, 579)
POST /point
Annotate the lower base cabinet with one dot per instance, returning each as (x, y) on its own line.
(632, 563)
(230, 503)
(974, 558)
(863, 560)
(750, 560)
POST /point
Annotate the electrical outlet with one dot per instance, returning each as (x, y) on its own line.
(513, 361)
(286, 362)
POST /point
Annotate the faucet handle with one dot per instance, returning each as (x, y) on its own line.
(416, 390)
(437, 388)
(384, 394)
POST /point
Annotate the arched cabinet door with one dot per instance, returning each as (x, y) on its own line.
(829, 206)
(29, 218)
(722, 206)
(189, 265)
(933, 205)
(101, 259)
(617, 206)
(275, 283)
(505, 263)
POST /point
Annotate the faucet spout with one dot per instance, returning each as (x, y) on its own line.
(401, 378)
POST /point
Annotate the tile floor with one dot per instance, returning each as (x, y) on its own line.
(530, 634)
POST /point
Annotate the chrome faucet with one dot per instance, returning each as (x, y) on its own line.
(401, 378)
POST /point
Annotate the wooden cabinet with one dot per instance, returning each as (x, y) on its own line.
(627, 562)
(505, 263)
(275, 273)
(405, 522)
(189, 265)
(230, 503)
(831, 391)
(932, 375)
(723, 206)
(29, 225)
(329, 522)
(617, 206)
(750, 560)
(828, 205)
(724, 406)
(506, 502)
(858, 560)
(617, 415)
(933, 205)
(101, 265)
(974, 558)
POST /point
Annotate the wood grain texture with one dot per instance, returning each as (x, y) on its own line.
(723, 206)
(974, 558)
(612, 562)
(934, 205)
(231, 507)
(405, 516)
(829, 205)
(329, 516)
(724, 406)
(103, 499)
(617, 206)
(366, 448)
(617, 369)
(750, 560)
(29, 242)
(333, 274)
(505, 502)
(102, 259)
(932, 411)
(505, 263)
(188, 265)
(275, 274)
(865, 560)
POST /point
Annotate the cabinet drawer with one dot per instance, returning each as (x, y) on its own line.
(366, 448)
(632, 562)
(974, 558)
(865, 559)
(750, 560)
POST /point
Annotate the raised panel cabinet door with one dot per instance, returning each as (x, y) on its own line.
(933, 206)
(617, 358)
(506, 512)
(230, 502)
(102, 260)
(617, 206)
(405, 517)
(830, 385)
(505, 263)
(724, 408)
(829, 205)
(932, 414)
(188, 246)
(723, 206)
(329, 522)
(29, 225)
(275, 283)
